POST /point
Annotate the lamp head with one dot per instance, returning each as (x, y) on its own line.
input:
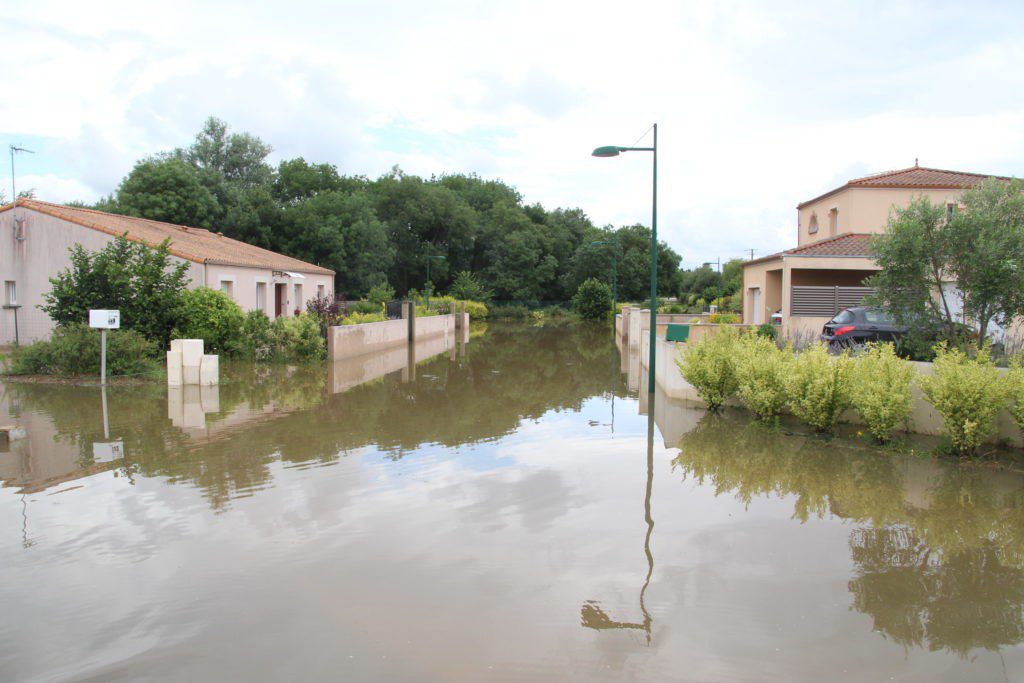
(607, 151)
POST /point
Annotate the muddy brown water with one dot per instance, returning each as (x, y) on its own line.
(501, 510)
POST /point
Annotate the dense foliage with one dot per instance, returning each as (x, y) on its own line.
(74, 349)
(923, 250)
(373, 232)
(710, 366)
(819, 387)
(143, 283)
(212, 316)
(593, 300)
(761, 372)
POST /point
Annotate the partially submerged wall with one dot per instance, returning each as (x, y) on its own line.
(349, 341)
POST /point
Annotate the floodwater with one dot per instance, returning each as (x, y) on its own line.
(499, 510)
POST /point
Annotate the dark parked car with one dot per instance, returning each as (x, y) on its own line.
(860, 325)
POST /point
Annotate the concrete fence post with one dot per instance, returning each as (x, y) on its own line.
(409, 313)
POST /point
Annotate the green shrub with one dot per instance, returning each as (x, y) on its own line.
(967, 393)
(424, 312)
(256, 342)
(360, 318)
(710, 366)
(818, 387)
(297, 339)
(143, 283)
(365, 307)
(881, 389)
(477, 310)
(380, 294)
(509, 311)
(761, 371)
(1015, 387)
(75, 350)
(768, 331)
(593, 300)
(212, 316)
(724, 319)
(467, 286)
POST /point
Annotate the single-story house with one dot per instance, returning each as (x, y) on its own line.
(39, 236)
(826, 271)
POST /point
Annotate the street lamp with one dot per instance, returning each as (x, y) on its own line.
(430, 285)
(614, 244)
(613, 151)
(718, 286)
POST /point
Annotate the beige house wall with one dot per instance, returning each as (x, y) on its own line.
(45, 252)
(861, 209)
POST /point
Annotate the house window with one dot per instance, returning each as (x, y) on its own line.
(261, 296)
(321, 291)
(298, 297)
(228, 287)
(10, 293)
(833, 221)
(812, 227)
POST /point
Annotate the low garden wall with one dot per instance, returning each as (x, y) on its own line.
(923, 417)
(349, 341)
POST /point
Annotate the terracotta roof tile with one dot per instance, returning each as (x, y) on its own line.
(855, 244)
(914, 177)
(192, 244)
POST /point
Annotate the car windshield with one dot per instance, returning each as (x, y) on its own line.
(842, 318)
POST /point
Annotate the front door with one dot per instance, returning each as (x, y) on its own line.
(755, 302)
(279, 298)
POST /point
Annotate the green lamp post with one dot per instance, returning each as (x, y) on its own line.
(613, 151)
(430, 285)
(614, 244)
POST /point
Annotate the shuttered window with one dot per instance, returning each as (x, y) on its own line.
(826, 301)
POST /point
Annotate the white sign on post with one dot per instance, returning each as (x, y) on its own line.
(105, 320)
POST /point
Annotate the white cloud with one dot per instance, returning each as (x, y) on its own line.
(759, 106)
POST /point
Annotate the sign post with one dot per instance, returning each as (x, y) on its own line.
(104, 320)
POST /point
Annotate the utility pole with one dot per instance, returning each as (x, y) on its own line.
(751, 253)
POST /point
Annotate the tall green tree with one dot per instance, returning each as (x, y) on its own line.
(167, 189)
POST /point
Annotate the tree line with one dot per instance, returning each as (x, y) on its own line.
(383, 230)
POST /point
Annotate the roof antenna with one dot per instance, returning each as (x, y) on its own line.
(915, 162)
(14, 149)
(16, 224)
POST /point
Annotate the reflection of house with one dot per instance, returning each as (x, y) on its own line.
(36, 236)
(825, 272)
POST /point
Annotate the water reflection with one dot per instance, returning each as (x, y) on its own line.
(937, 549)
(223, 439)
(592, 614)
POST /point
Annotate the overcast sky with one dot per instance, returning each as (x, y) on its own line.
(760, 105)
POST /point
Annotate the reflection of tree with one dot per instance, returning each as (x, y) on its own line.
(917, 596)
(944, 571)
(513, 373)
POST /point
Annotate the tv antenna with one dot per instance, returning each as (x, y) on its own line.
(14, 150)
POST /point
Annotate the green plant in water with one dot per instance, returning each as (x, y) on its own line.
(75, 350)
(968, 393)
(881, 389)
(818, 387)
(761, 371)
(710, 366)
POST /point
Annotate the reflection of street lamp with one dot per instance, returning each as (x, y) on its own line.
(613, 151)
(614, 244)
(591, 613)
(430, 285)
(718, 286)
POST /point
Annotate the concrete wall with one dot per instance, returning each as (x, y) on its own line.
(350, 341)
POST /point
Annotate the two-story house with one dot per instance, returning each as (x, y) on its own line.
(826, 271)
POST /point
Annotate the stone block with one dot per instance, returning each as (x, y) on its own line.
(191, 352)
(174, 375)
(209, 370)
